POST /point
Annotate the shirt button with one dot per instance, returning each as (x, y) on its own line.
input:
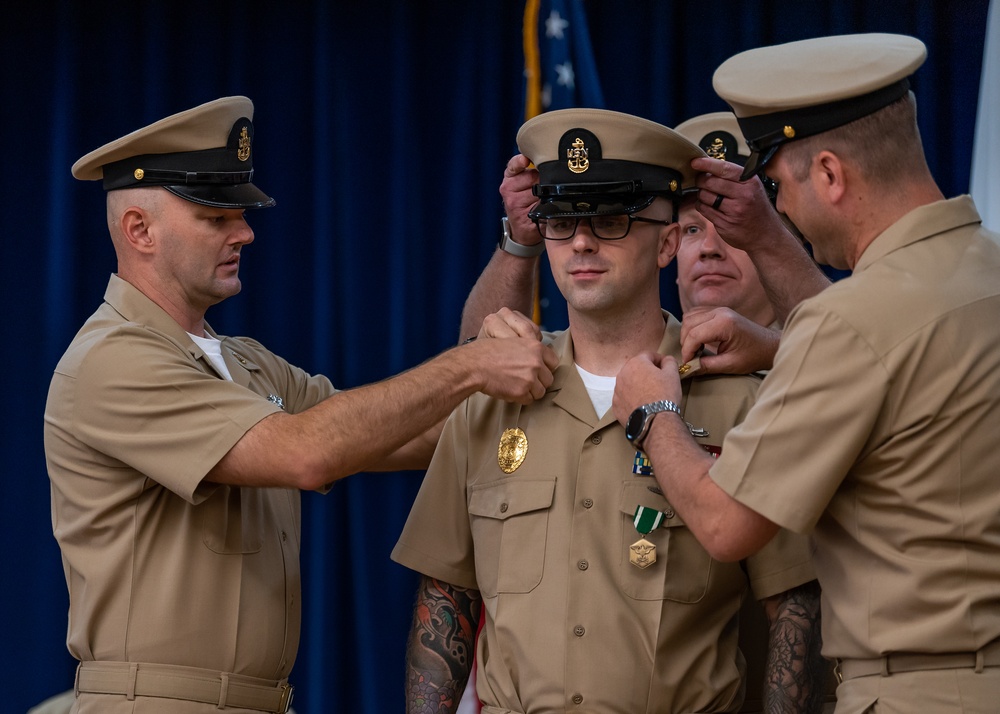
(595, 439)
(588, 503)
(503, 508)
(578, 699)
(583, 565)
(579, 630)
(668, 513)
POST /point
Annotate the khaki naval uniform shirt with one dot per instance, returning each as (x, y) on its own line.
(161, 566)
(877, 429)
(570, 623)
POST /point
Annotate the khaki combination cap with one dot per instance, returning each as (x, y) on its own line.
(718, 134)
(600, 162)
(204, 155)
(791, 91)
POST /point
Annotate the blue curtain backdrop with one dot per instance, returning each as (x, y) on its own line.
(382, 129)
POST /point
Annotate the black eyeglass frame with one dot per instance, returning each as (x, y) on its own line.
(631, 219)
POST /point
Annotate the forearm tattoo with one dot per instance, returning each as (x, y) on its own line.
(796, 673)
(441, 646)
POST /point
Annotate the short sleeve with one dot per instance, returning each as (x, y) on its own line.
(139, 400)
(437, 538)
(814, 413)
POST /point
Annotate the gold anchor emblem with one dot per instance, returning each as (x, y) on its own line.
(243, 152)
(577, 157)
(717, 149)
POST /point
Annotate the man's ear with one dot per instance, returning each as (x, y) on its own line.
(135, 227)
(670, 237)
(828, 176)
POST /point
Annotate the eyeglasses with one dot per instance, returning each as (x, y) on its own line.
(770, 187)
(611, 227)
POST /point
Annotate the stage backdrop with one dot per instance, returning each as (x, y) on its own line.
(382, 128)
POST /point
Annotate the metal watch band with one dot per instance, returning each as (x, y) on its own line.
(638, 424)
(509, 245)
(664, 405)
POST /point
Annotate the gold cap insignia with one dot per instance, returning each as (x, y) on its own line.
(577, 157)
(717, 149)
(512, 450)
(789, 132)
(243, 152)
(138, 173)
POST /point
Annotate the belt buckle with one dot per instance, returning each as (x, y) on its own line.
(286, 698)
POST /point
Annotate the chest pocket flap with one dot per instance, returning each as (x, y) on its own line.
(510, 497)
(683, 568)
(509, 520)
(637, 493)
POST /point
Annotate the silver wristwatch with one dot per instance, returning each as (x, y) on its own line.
(641, 417)
(508, 244)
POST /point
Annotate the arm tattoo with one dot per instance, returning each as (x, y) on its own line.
(796, 673)
(441, 646)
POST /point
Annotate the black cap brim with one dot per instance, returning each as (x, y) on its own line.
(244, 195)
(757, 160)
(590, 205)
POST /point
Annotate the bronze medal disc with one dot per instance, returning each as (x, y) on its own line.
(642, 553)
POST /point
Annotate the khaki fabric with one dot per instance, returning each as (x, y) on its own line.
(570, 623)
(877, 430)
(937, 691)
(160, 566)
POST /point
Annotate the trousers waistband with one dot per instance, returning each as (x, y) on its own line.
(168, 681)
(988, 656)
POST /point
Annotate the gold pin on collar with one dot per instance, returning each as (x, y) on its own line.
(512, 450)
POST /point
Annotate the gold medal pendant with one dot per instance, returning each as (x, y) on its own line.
(642, 553)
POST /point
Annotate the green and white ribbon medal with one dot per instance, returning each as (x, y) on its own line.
(642, 553)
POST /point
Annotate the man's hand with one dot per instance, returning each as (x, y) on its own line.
(515, 190)
(745, 218)
(514, 369)
(645, 378)
(741, 345)
(509, 323)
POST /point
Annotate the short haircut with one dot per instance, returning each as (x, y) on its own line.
(884, 145)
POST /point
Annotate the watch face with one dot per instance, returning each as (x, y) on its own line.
(633, 428)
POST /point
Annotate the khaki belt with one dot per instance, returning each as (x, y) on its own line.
(988, 656)
(223, 689)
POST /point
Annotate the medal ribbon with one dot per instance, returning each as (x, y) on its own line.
(646, 519)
